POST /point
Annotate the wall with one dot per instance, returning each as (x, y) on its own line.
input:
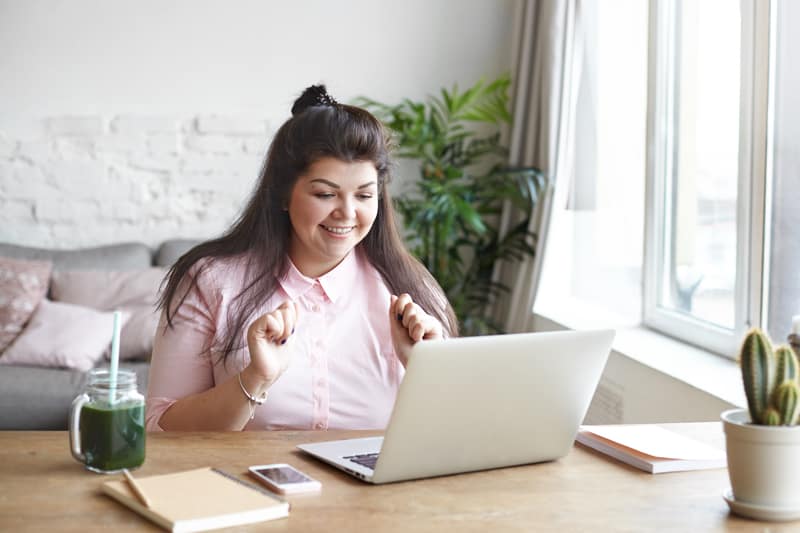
(631, 392)
(146, 120)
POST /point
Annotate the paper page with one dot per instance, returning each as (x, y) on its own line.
(656, 441)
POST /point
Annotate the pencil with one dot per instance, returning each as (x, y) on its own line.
(137, 489)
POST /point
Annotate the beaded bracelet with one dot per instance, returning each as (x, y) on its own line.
(253, 400)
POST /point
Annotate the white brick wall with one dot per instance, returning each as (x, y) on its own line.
(83, 126)
(73, 181)
(240, 125)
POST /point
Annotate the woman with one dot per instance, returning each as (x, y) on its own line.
(303, 314)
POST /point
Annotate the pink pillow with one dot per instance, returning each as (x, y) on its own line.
(136, 338)
(64, 336)
(134, 291)
(107, 289)
(23, 284)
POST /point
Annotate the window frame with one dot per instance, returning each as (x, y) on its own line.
(755, 118)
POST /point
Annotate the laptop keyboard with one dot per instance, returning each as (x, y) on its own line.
(365, 459)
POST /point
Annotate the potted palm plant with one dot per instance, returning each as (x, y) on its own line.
(763, 441)
(453, 216)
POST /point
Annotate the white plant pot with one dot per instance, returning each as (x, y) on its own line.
(763, 462)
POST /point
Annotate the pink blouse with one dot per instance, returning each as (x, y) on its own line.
(343, 371)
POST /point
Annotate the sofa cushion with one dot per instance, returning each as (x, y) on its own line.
(23, 284)
(107, 289)
(38, 398)
(136, 339)
(125, 256)
(62, 335)
(134, 291)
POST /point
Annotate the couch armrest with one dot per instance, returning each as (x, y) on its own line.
(170, 251)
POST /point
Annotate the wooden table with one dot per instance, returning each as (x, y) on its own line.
(43, 489)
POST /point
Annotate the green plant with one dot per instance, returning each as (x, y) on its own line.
(770, 380)
(453, 216)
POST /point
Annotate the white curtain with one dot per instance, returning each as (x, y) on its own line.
(547, 65)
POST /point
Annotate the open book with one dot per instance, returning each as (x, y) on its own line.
(651, 447)
(199, 500)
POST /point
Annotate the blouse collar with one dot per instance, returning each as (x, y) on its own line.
(338, 281)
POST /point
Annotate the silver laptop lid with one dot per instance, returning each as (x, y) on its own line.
(475, 403)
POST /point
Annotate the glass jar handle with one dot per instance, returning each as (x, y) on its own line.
(74, 427)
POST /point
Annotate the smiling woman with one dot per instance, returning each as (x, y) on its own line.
(309, 304)
(332, 208)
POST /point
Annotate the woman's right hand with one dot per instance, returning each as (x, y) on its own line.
(266, 339)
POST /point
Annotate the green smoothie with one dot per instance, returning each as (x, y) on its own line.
(112, 438)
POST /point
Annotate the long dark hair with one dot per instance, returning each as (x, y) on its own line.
(320, 127)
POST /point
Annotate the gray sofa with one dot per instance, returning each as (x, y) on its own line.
(37, 398)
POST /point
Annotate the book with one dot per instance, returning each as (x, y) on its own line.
(651, 447)
(198, 500)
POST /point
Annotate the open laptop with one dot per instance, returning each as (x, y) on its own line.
(474, 403)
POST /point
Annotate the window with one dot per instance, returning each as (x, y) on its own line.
(667, 218)
(707, 130)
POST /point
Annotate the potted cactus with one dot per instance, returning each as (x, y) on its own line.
(763, 441)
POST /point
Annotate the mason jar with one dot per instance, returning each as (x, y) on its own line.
(106, 423)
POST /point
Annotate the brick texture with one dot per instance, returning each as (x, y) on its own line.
(73, 181)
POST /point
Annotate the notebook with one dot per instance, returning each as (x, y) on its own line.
(652, 448)
(199, 500)
(476, 403)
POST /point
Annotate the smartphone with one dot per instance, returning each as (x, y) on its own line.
(284, 479)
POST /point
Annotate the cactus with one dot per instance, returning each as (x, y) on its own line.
(786, 402)
(771, 417)
(758, 373)
(771, 381)
(786, 367)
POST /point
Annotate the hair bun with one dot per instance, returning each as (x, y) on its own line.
(316, 95)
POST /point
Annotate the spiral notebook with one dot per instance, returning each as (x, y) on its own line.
(199, 500)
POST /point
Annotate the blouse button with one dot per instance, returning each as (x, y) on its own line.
(319, 425)
(315, 308)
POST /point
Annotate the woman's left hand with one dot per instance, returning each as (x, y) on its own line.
(410, 324)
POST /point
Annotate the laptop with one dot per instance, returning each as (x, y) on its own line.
(475, 403)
